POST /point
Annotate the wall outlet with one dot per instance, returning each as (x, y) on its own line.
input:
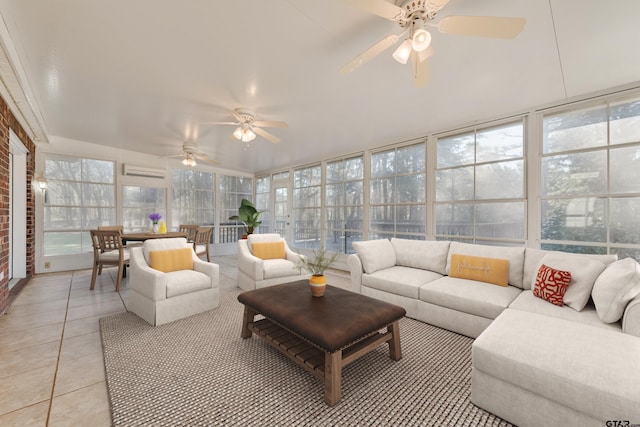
(47, 264)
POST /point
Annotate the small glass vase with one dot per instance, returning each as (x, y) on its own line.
(155, 228)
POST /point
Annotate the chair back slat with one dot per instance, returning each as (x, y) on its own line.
(190, 229)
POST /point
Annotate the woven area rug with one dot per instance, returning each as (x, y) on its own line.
(198, 371)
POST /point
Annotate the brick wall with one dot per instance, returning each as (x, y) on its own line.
(8, 121)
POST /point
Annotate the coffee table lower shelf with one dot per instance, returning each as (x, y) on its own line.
(324, 365)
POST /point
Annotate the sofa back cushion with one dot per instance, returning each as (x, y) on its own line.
(163, 244)
(262, 238)
(375, 254)
(423, 254)
(269, 250)
(489, 270)
(168, 260)
(514, 255)
(618, 284)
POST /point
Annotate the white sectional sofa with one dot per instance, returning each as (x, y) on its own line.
(534, 362)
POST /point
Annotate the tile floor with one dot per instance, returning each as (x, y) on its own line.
(51, 365)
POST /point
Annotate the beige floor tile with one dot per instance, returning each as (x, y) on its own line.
(92, 299)
(11, 341)
(10, 323)
(26, 389)
(31, 416)
(81, 345)
(86, 325)
(35, 296)
(98, 308)
(26, 359)
(76, 373)
(88, 406)
(38, 307)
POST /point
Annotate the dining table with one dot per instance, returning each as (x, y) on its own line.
(142, 236)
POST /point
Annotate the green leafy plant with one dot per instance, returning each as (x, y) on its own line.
(318, 263)
(248, 215)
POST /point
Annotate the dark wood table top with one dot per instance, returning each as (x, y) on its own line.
(141, 237)
(331, 322)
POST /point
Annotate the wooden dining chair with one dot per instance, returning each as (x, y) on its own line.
(202, 241)
(121, 229)
(190, 229)
(108, 250)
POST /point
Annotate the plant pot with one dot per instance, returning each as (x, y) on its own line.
(318, 284)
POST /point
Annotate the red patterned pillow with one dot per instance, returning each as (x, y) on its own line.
(551, 284)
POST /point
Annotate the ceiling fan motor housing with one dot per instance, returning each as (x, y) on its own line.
(247, 115)
(416, 11)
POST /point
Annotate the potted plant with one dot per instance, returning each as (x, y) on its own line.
(316, 265)
(248, 215)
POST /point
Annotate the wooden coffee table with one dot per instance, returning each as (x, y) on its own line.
(324, 334)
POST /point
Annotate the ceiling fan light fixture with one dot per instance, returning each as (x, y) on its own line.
(189, 161)
(244, 134)
(421, 40)
(403, 52)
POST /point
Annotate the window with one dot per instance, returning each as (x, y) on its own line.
(397, 203)
(263, 202)
(193, 198)
(232, 190)
(591, 179)
(344, 204)
(307, 207)
(480, 186)
(138, 202)
(80, 196)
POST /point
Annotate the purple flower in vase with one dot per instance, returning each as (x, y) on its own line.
(155, 217)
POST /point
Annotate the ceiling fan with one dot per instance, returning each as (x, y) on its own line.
(190, 153)
(414, 16)
(248, 126)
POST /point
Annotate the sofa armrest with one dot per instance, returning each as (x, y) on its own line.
(250, 265)
(210, 269)
(145, 280)
(355, 267)
(631, 318)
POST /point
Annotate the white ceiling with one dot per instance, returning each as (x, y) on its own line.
(142, 74)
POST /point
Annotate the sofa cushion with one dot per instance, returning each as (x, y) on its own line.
(375, 254)
(618, 284)
(584, 272)
(261, 238)
(424, 254)
(533, 257)
(515, 255)
(551, 285)
(279, 268)
(469, 296)
(186, 281)
(268, 250)
(526, 301)
(171, 259)
(590, 370)
(163, 244)
(489, 270)
(400, 280)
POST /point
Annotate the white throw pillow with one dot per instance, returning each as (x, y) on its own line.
(618, 284)
(584, 272)
(375, 254)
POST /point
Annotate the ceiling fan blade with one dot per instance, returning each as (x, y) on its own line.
(370, 53)
(237, 116)
(420, 69)
(483, 26)
(205, 159)
(219, 123)
(436, 5)
(381, 8)
(174, 156)
(266, 135)
(271, 124)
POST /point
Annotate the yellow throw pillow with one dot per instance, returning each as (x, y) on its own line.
(490, 270)
(171, 259)
(268, 250)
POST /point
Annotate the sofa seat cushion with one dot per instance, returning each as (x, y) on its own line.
(591, 370)
(526, 301)
(186, 281)
(399, 280)
(469, 296)
(279, 268)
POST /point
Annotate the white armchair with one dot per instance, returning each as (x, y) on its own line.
(180, 285)
(266, 260)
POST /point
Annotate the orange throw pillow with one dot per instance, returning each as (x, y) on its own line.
(489, 270)
(171, 259)
(268, 250)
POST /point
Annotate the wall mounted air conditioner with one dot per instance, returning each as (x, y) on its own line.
(144, 171)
